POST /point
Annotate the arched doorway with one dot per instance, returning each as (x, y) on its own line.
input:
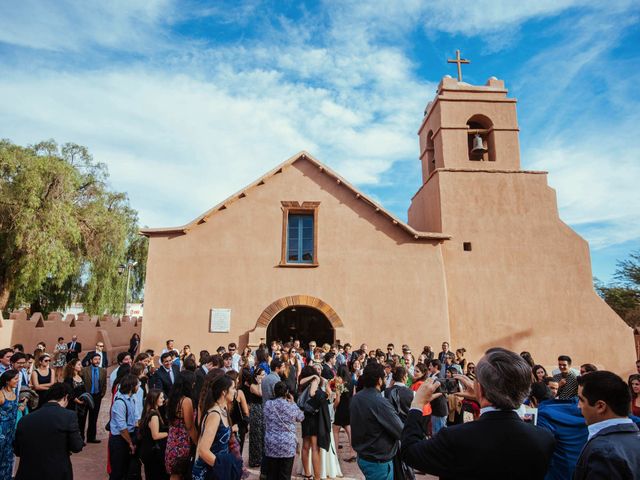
(301, 323)
(306, 307)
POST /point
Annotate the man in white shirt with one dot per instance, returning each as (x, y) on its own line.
(171, 348)
(235, 357)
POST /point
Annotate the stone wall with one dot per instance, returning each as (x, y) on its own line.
(115, 332)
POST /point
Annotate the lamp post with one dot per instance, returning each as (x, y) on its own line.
(121, 268)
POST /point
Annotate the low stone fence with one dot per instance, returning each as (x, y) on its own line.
(114, 332)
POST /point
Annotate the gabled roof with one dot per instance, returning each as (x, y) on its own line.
(149, 232)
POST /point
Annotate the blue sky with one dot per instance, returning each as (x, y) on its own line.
(188, 101)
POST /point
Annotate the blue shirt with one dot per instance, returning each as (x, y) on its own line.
(123, 414)
(565, 421)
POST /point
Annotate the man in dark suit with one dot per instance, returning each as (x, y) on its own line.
(499, 444)
(45, 438)
(165, 376)
(613, 445)
(74, 348)
(201, 373)
(95, 382)
(104, 360)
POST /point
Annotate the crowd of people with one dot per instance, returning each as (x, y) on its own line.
(179, 416)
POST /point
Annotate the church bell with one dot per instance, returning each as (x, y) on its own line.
(478, 145)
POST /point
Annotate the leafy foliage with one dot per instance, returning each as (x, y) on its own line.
(624, 296)
(63, 233)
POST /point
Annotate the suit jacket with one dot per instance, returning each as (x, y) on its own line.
(612, 453)
(86, 376)
(86, 361)
(44, 440)
(75, 353)
(161, 379)
(497, 445)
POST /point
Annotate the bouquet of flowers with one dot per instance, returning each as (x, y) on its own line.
(337, 385)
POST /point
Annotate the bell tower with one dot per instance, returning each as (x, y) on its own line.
(469, 127)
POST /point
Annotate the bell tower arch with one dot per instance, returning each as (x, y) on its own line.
(464, 116)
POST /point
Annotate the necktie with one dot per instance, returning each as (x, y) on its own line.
(170, 372)
(95, 380)
(73, 345)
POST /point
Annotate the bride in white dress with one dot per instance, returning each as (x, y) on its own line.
(330, 464)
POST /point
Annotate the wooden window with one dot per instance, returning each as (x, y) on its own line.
(299, 234)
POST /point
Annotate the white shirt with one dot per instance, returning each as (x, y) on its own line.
(112, 377)
(595, 428)
(235, 361)
(170, 372)
(491, 408)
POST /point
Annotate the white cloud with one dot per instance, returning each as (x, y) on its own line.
(596, 182)
(74, 25)
(179, 144)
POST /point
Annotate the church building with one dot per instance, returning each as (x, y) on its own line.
(484, 259)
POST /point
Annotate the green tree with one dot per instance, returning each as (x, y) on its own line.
(63, 233)
(623, 296)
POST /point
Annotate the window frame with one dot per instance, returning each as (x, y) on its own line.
(295, 208)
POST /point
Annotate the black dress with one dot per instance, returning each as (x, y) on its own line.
(342, 417)
(238, 418)
(311, 422)
(152, 452)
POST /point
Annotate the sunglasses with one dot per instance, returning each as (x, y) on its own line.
(46, 360)
(101, 346)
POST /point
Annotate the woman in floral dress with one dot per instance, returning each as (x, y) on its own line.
(256, 419)
(59, 359)
(9, 407)
(182, 430)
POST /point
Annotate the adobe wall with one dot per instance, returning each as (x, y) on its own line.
(29, 331)
(527, 283)
(384, 284)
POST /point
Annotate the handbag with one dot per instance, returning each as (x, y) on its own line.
(304, 403)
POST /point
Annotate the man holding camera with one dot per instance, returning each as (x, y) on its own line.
(499, 444)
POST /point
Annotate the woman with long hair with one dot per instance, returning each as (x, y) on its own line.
(460, 360)
(634, 386)
(42, 377)
(134, 344)
(528, 358)
(539, 373)
(213, 459)
(315, 399)
(420, 374)
(9, 407)
(342, 418)
(71, 376)
(182, 427)
(153, 436)
(356, 370)
(239, 409)
(471, 370)
(256, 419)
(59, 359)
(187, 353)
(262, 360)
(294, 369)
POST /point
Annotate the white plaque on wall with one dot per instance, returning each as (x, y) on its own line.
(220, 320)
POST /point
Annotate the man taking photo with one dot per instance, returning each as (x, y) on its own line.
(499, 444)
